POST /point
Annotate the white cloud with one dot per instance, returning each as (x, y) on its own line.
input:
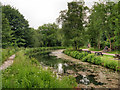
(39, 12)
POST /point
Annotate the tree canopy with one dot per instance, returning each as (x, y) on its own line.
(101, 28)
(72, 24)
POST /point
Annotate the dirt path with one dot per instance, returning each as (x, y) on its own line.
(7, 63)
(98, 51)
(102, 74)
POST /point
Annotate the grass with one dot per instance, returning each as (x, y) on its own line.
(27, 73)
(94, 49)
(6, 53)
(114, 52)
(111, 52)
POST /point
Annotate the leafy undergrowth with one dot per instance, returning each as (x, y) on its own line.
(27, 73)
(105, 60)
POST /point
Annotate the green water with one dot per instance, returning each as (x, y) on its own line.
(52, 61)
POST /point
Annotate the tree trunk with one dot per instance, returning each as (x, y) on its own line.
(99, 43)
(110, 44)
(75, 45)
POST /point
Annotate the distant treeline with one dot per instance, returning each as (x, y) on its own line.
(101, 28)
(16, 31)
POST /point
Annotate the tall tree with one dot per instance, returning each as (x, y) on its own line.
(97, 24)
(110, 24)
(18, 24)
(117, 25)
(48, 34)
(6, 32)
(72, 24)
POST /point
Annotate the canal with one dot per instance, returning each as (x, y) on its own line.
(87, 75)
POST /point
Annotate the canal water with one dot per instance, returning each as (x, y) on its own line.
(86, 76)
(64, 67)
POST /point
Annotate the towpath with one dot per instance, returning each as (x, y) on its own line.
(7, 63)
(98, 51)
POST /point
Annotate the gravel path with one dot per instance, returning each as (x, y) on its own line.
(7, 63)
(98, 51)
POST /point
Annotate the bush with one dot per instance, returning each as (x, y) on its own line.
(75, 54)
(91, 58)
(111, 64)
(40, 50)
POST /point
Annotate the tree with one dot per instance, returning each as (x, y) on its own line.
(48, 34)
(18, 25)
(6, 32)
(97, 25)
(72, 24)
(110, 25)
(117, 25)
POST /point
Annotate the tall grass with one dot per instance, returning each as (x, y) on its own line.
(6, 53)
(27, 73)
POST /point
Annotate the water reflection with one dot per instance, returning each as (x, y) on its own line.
(60, 69)
(66, 64)
(85, 80)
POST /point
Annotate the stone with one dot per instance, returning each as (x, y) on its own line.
(70, 71)
(75, 75)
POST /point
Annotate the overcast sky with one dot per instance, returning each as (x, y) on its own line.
(39, 12)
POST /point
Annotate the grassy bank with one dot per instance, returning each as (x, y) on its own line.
(111, 52)
(27, 73)
(6, 53)
(106, 61)
(40, 50)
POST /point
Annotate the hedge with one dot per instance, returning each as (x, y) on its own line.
(91, 58)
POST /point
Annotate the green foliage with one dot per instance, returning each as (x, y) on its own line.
(18, 26)
(92, 59)
(110, 63)
(76, 54)
(94, 49)
(106, 61)
(6, 32)
(48, 33)
(103, 27)
(72, 24)
(6, 53)
(26, 73)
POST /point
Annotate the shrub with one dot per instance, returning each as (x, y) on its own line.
(91, 58)
(111, 64)
(75, 54)
(40, 50)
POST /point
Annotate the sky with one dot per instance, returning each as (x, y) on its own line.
(39, 12)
